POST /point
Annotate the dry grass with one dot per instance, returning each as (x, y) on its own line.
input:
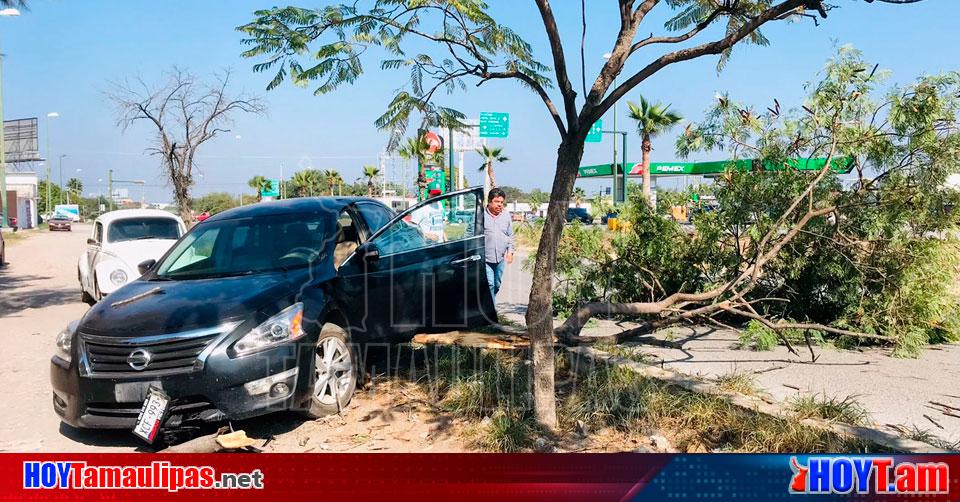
(846, 409)
(490, 390)
(740, 382)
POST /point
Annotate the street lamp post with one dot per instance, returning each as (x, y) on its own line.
(51, 115)
(3, 154)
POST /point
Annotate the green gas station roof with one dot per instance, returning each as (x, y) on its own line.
(842, 165)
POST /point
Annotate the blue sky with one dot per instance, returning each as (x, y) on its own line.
(62, 56)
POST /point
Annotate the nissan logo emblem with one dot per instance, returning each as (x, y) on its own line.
(139, 359)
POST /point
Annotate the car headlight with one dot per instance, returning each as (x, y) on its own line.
(284, 327)
(65, 341)
(118, 277)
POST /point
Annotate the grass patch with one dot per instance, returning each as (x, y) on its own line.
(743, 383)
(915, 433)
(756, 336)
(847, 409)
(491, 391)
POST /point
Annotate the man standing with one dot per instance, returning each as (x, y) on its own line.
(498, 236)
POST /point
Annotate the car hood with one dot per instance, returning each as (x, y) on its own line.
(181, 305)
(134, 252)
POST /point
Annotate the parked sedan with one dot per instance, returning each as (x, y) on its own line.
(580, 214)
(258, 309)
(60, 223)
(118, 242)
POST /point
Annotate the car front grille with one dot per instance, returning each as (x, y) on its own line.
(149, 355)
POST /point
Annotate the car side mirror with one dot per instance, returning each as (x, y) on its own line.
(146, 265)
(369, 252)
(92, 241)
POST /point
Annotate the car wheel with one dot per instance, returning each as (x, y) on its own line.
(335, 373)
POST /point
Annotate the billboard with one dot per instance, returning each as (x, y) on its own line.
(20, 140)
(71, 211)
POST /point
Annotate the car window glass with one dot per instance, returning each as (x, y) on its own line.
(250, 245)
(443, 219)
(131, 229)
(375, 215)
(347, 238)
(98, 232)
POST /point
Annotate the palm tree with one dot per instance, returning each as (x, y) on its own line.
(333, 178)
(75, 187)
(491, 156)
(652, 119)
(260, 184)
(419, 150)
(370, 172)
(307, 182)
(578, 195)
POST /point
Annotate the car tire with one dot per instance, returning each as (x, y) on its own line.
(84, 296)
(333, 348)
(97, 295)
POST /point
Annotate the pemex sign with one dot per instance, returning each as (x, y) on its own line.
(841, 165)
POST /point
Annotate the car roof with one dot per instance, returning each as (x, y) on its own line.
(120, 214)
(331, 205)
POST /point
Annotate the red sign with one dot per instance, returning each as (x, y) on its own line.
(433, 141)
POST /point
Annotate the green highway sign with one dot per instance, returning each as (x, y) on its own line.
(494, 124)
(596, 132)
(273, 190)
(841, 165)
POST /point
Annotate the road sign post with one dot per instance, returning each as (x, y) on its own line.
(494, 125)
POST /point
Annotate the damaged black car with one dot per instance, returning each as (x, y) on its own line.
(262, 308)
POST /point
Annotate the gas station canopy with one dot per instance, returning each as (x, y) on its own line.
(840, 165)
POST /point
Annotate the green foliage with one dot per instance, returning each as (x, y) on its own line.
(215, 202)
(883, 261)
(325, 46)
(652, 119)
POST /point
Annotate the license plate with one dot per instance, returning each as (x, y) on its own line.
(151, 416)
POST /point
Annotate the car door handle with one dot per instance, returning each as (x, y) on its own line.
(466, 260)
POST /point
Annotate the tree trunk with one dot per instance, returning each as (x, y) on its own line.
(540, 308)
(646, 147)
(493, 179)
(182, 193)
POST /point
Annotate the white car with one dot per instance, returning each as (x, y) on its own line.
(120, 241)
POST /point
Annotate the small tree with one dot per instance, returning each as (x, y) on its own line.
(74, 188)
(653, 119)
(260, 184)
(184, 114)
(491, 156)
(371, 173)
(537, 198)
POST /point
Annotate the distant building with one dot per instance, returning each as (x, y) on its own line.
(23, 198)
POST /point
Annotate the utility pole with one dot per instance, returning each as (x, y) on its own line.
(3, 157)
(110, 187)
(61, 176)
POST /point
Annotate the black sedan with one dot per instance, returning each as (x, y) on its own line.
(261, 308)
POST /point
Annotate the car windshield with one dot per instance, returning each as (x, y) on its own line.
(245, 246)
(132, 229)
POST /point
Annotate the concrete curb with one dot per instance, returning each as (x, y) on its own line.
(755, 404)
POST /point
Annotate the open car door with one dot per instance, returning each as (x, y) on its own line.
(422, 271)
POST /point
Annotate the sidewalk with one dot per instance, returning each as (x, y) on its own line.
(894, 391)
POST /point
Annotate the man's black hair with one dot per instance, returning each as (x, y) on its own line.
(496, 192)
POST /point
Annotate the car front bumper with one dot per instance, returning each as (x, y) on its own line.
(215, 392)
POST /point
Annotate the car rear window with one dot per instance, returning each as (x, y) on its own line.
(132, 229)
